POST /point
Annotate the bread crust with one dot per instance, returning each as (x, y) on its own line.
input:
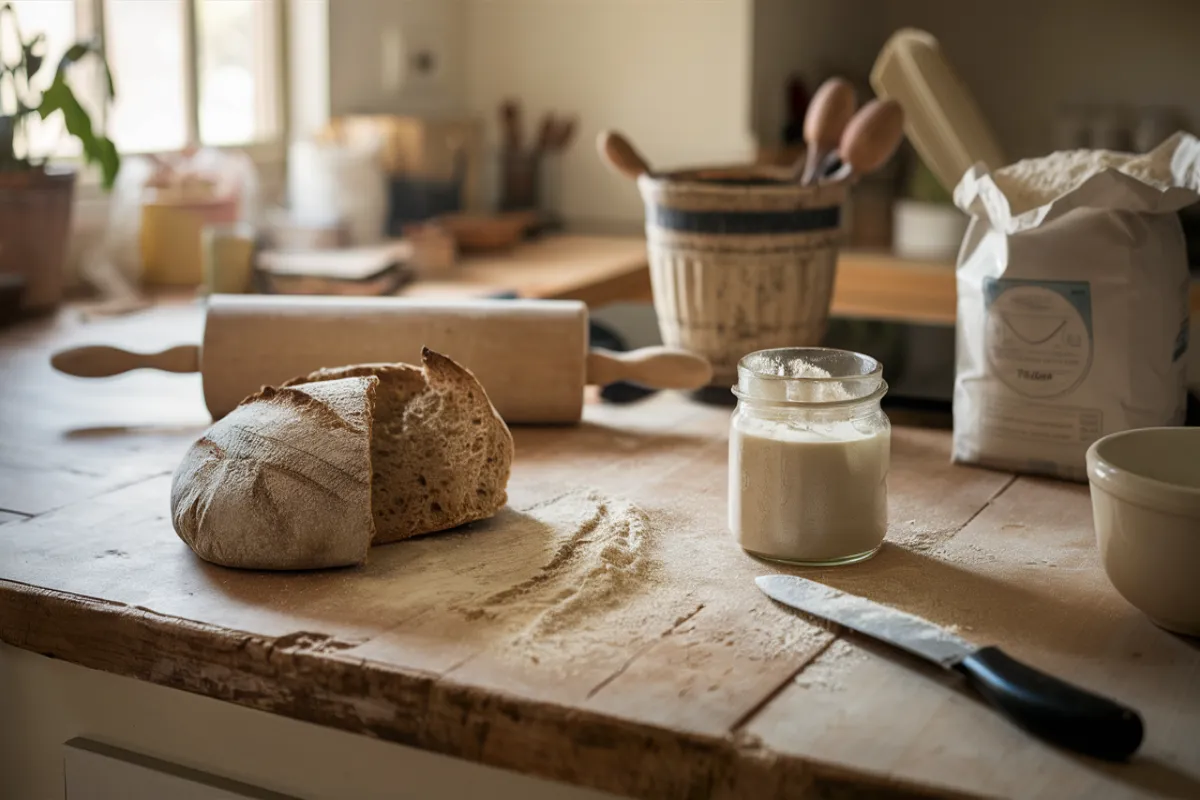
(313, 473)
(441, 453)
(283, 481)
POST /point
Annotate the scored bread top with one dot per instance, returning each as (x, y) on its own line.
(283, 481)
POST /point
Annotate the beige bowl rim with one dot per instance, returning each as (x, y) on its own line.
(1128, 482)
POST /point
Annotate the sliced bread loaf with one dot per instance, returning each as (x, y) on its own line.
(313, 473)
(440, 453)
(283, 481)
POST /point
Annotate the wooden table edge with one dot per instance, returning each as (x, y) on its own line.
(313, 678)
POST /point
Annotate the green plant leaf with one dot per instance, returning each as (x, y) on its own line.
(96, 149)
(80, 49)
(108, 81)
(110, 160)
(33, 61)
(74, 53)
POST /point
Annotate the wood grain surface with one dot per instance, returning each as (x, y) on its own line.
(688, 683)
(594, 269)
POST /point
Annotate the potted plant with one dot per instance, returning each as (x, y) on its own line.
(35, 197)
(926, 225)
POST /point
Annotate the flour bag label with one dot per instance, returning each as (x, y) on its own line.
(1072, 304)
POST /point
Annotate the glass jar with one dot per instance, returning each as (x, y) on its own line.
(809, 448)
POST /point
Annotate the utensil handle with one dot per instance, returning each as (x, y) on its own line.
(101, 361)
(1053, 709)
(653, 367)
(814, 158)
(616, 150)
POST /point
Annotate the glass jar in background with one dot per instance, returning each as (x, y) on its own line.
(809, 449)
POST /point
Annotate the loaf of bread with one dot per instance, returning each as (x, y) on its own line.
(313, 473)
(440, 453)
(283, 481)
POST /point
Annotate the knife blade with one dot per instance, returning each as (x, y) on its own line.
(1046, 706)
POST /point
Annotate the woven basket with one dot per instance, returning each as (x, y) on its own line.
(741, 259)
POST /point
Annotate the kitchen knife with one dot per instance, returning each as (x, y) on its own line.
(1050, 708)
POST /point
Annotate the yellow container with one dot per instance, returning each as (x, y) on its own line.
(228, 258)
(171, 238)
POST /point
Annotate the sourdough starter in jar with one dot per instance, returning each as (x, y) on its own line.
(809, 450)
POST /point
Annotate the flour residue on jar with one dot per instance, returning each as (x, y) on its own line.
(809, 452)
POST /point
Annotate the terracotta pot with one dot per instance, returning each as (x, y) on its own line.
(35, 225)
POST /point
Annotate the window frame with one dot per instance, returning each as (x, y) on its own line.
(270, 153)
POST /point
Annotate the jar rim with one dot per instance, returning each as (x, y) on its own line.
(874, 397)
(874, 371)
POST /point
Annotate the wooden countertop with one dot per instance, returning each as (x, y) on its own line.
(688, 683)
(594, 269)
(606, 269)
(599, 270)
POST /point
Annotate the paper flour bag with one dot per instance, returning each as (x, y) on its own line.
(1072, 304)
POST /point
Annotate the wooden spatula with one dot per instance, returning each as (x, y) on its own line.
(942, 119)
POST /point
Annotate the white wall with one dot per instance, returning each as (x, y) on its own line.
(308, 67)
(689, 80)
(674, 75)
(371, 44)
(1023, 59)
(812, 38)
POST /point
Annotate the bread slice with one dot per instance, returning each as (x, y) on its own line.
(283, 481)
(440, 453)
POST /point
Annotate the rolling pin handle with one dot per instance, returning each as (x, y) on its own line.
(652, 367)
(101, 361)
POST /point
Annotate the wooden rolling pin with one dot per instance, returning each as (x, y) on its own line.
(530, 355)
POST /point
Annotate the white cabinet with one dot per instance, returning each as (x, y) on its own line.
(95, 771)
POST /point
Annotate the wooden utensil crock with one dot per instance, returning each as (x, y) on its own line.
(741, 258)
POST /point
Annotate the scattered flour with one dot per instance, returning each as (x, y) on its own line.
(594, 556)
(572, 583)
(827, 673)
(1035, 182)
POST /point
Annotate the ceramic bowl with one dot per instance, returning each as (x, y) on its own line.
(1146, 504)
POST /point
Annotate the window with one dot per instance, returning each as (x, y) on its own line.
(187, 72)
(57, 21)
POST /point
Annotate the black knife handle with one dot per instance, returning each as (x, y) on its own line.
(1053, 709)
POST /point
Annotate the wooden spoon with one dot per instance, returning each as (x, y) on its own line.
(546, 134)
(619, 154)
(565, 132)
(510, 125)
(828, 113)
(869, 140)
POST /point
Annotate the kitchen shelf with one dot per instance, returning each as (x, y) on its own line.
(880, 285)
